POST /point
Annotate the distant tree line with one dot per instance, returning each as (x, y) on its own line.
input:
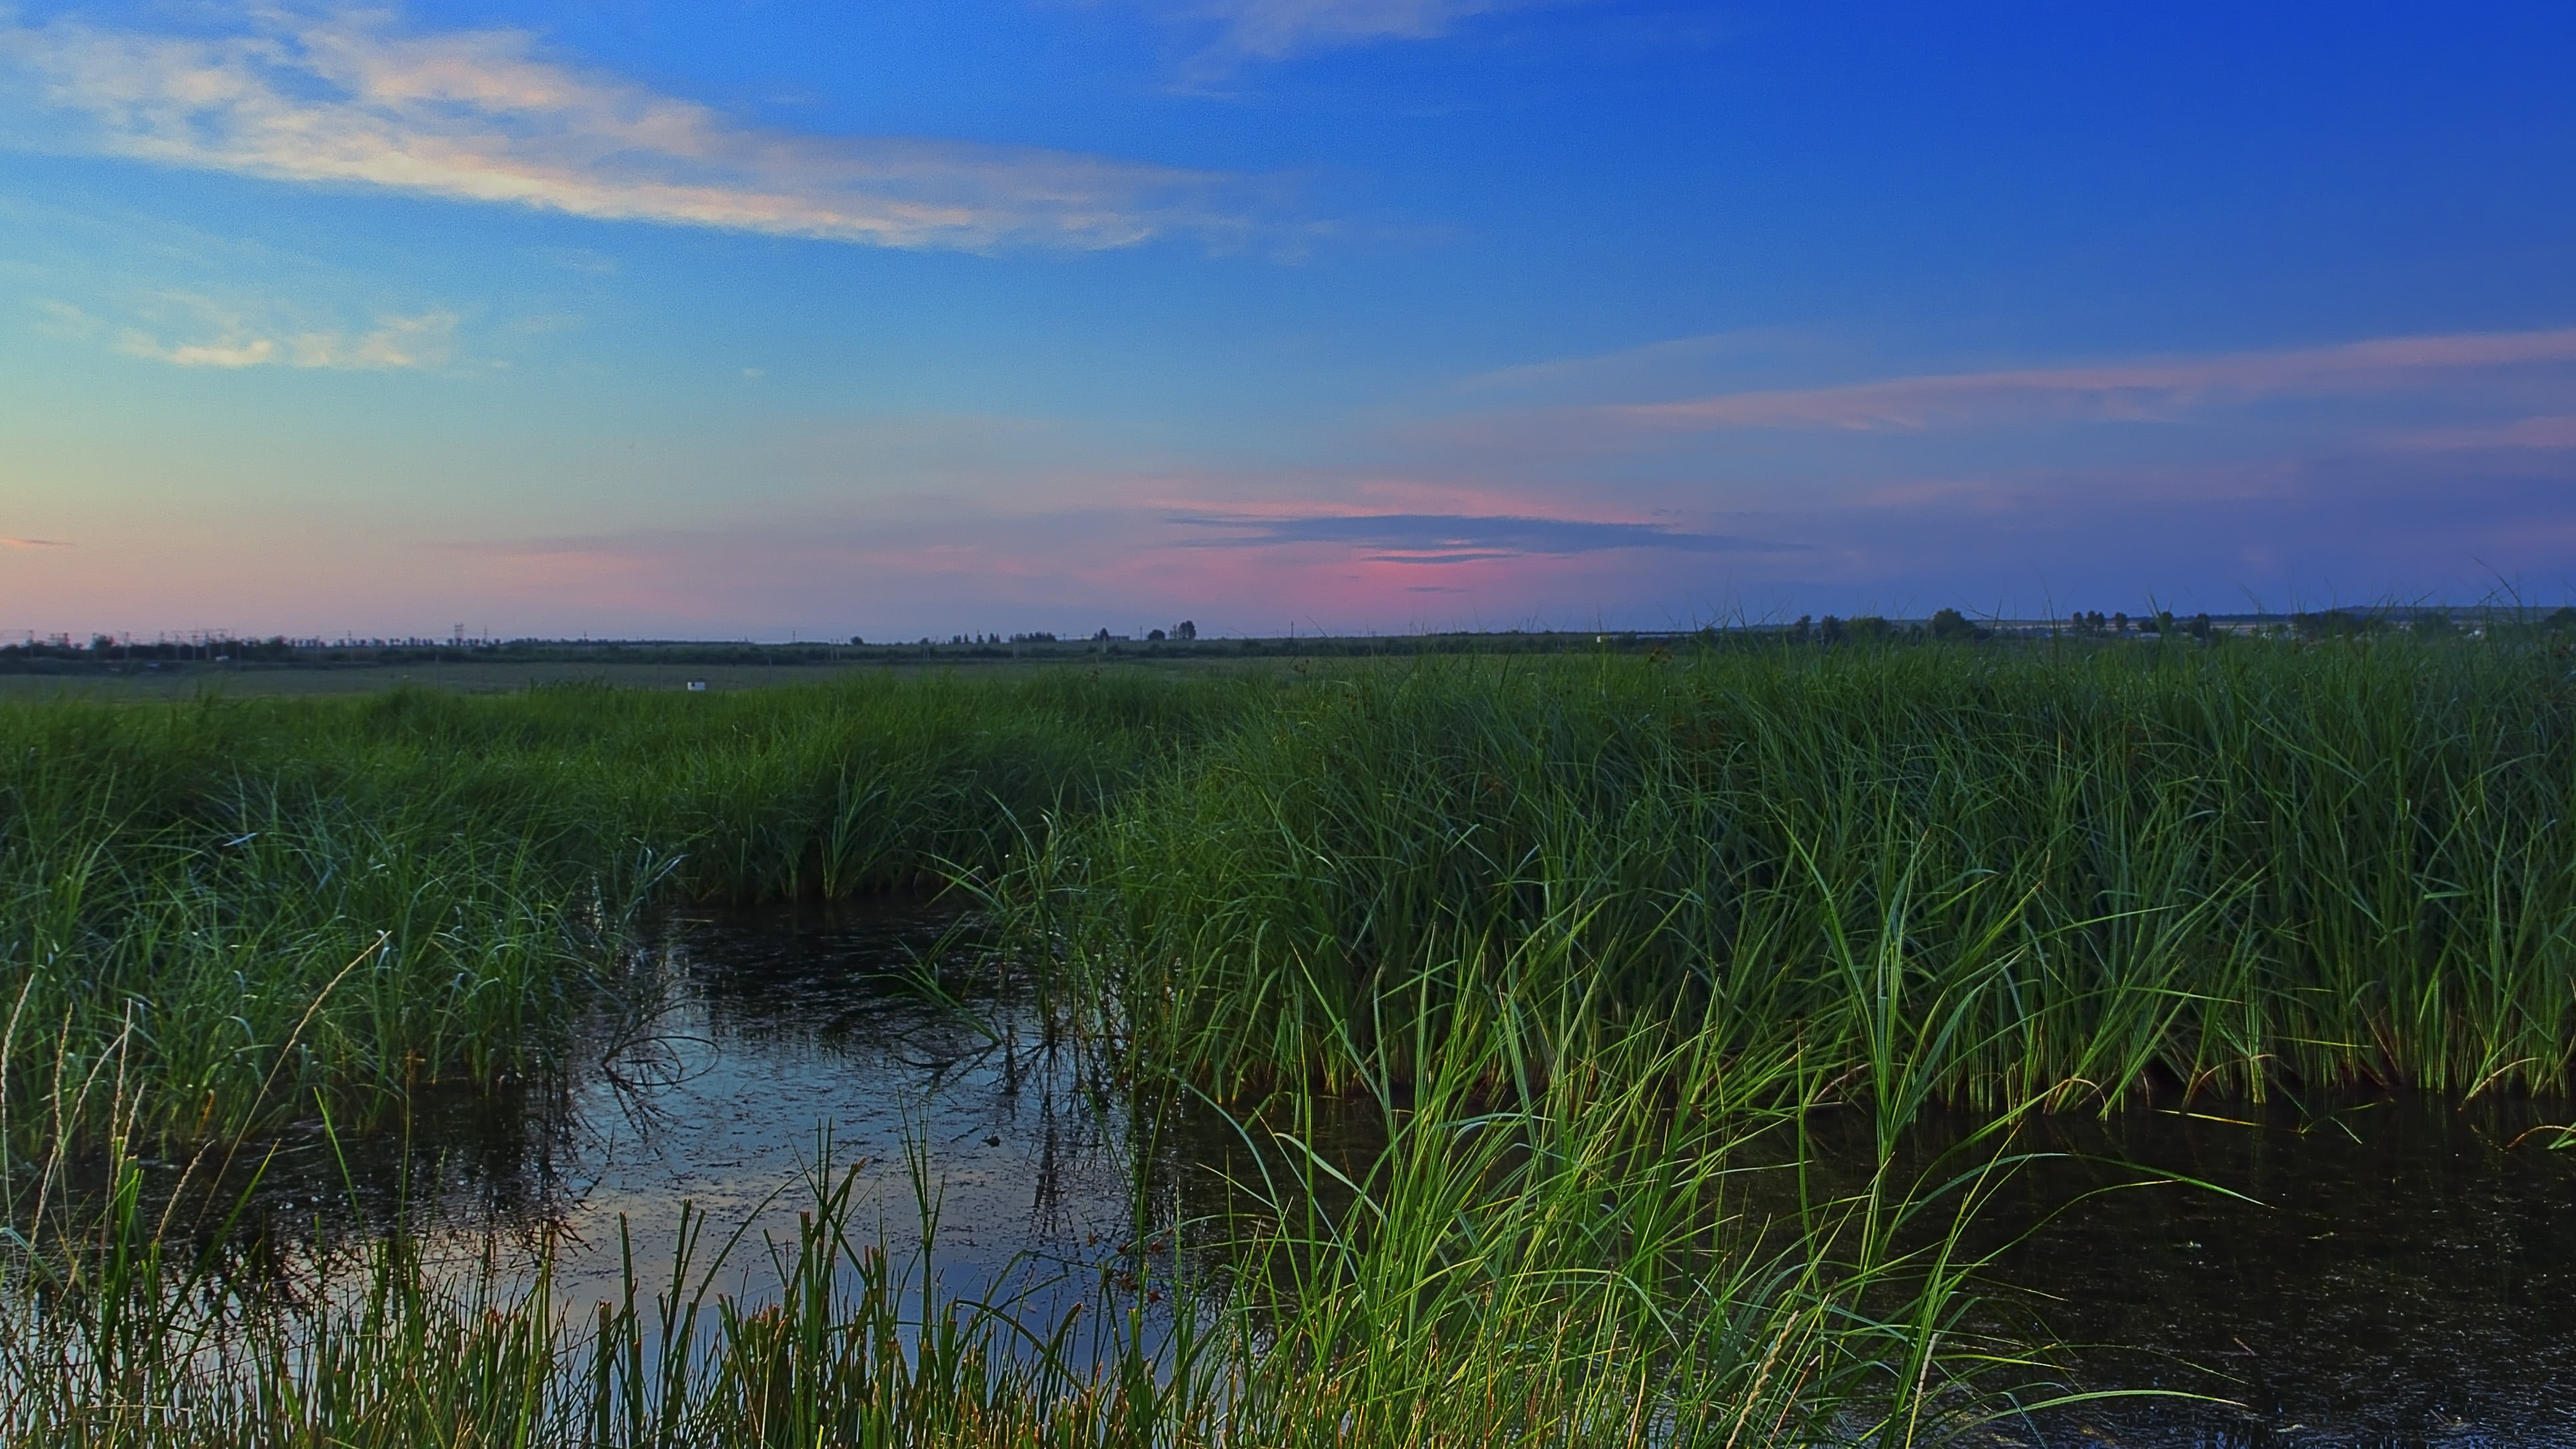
(1184, 640)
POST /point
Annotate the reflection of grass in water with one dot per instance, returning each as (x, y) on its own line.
(1564, 1269)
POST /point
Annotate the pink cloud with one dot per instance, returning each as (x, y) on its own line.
(1257, 565)
(2551, 432)
(2108, 392)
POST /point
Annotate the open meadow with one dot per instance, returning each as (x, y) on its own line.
(1643, 966)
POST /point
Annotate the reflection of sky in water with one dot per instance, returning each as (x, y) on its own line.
(783, 1035)
(768, 1036)
(2403, 1276)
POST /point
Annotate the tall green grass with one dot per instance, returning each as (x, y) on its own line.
(1604, 1263)
(246, 903)
(1598, 940)
(2228, 867)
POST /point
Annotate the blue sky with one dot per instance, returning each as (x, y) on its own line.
(898, 319)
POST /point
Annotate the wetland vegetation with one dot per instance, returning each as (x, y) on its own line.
(1606, 945)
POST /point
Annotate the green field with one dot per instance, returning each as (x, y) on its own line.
(1599, 935)
(115, 684)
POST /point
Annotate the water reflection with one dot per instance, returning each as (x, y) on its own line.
(2397, 1271)
(781, 1037)
(746, 1051)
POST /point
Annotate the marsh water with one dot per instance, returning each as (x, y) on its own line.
(755, 1059)
(2397, 1270)
(2355, 1271)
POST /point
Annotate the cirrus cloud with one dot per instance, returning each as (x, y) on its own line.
(2113, 391)
(1277, 29)
(2539, 432)
(190, 330)
(480, 115)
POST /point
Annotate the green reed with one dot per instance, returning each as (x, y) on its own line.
(262, 899)
(1599, 1262)
(1601, 942)
(2226, 866)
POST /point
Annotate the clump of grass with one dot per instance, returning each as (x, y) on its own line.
(245, 903)
(2219, 867)
(2223, 866)
(1597, 941)
(1597, 1262)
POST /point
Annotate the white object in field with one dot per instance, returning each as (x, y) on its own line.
(697, 686)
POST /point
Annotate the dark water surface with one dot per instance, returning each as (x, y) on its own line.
(759, 1052)
(2398, 1271)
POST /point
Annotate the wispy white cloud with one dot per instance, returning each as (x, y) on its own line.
(231, 337)
(63, 320)
(1233, 33)
(2115, 391)
(348, 97)
(6, 542)
(1278, 29)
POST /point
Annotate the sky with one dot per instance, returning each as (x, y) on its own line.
(759, 319)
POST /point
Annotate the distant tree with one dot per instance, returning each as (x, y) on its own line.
(1831, 629)
(1153, 636)
(2335, 624)
(1951, 624)
(1868, 627)
(2200, 627)
(1802, 630)
(2119, 623)
(1185, 630)
(1102, 637)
